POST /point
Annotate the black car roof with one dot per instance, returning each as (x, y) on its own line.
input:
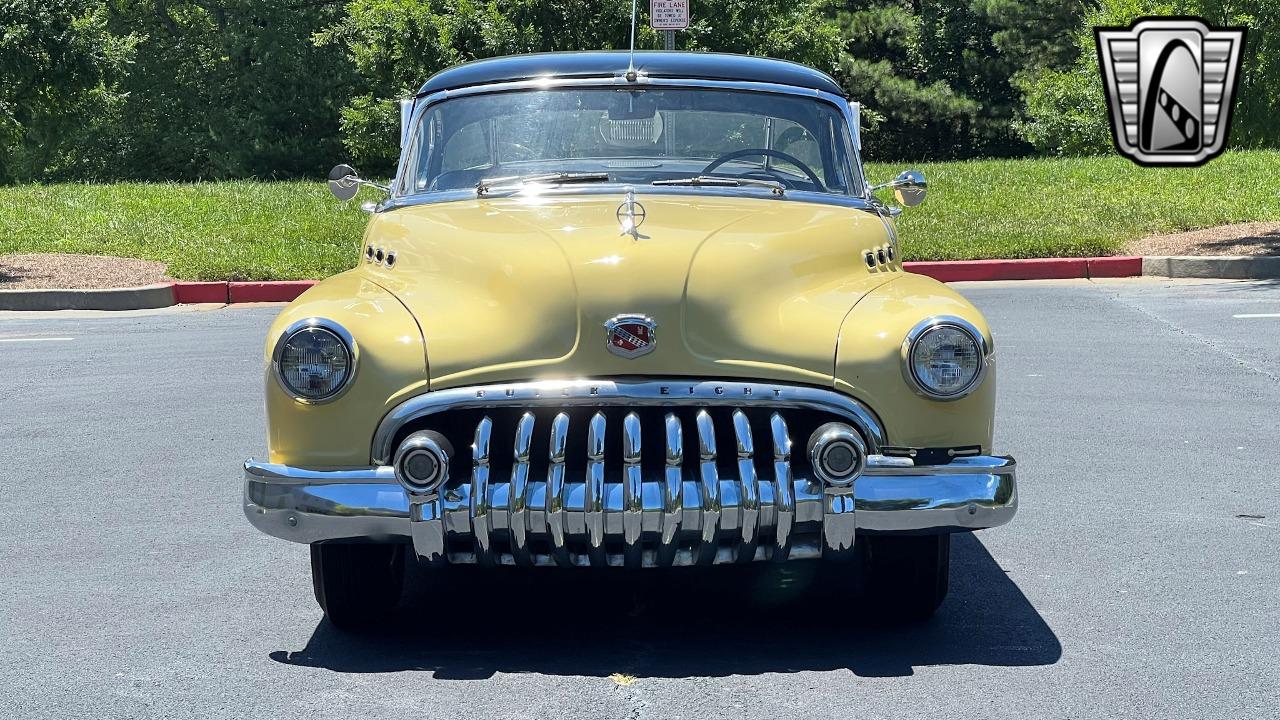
(655, 64)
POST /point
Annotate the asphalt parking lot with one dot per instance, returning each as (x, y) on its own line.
(1140, 579)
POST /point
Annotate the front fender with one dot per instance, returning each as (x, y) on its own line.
(869, 366)
(392, 361)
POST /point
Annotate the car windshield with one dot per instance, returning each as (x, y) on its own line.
(671, 136)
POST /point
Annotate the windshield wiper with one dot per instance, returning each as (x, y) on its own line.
(774, 186)
(557, 178)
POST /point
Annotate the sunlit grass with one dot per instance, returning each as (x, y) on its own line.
(1079, 206)
(977, 209)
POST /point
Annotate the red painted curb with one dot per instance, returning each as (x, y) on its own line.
(1033, 269)
(1101, 267)
(275, 291)
(199, 292)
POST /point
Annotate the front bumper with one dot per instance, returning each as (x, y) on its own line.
(684, 520)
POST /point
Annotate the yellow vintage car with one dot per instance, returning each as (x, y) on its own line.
(629, 311)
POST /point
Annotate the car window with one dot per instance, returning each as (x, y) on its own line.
(637, 136)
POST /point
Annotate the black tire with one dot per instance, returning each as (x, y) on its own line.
(907, 576)
(357, 584)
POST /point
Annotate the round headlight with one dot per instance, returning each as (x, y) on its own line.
(944, 359)
(314, 361)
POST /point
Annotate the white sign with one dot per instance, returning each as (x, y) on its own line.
(669, 14)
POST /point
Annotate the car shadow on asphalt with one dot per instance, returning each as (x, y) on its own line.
(684, 624)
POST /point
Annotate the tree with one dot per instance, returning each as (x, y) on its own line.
(230, 88)
(61, 73)
(1066, 108)
(931, 78)
(398, 44)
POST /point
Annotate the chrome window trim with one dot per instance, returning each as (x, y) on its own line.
(656, 392)
(424, 104)
(920, 328)
(325, 324)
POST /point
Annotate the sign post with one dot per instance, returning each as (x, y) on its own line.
(669, 16)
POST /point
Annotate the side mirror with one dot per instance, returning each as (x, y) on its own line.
(344, 183)
(909, 187)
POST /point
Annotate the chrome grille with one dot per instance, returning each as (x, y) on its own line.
(705, 476)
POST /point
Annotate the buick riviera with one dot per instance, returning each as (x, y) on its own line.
(622, 312)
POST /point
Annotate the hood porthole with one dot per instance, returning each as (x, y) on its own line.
(368, 252)
(871, 260)
(880, 256)
(391, 259)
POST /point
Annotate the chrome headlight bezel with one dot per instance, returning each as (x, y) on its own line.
(333, 328)
(933, 323)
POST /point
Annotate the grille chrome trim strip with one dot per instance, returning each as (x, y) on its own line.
(480, 520)
(672, 490)
(709, 493)
(784, 502)
(632, 489)
(517, 495)
(649, 393)
(748, 493)
(554, 502)
(593, 503)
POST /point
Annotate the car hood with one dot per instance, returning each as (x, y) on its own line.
(521, 287)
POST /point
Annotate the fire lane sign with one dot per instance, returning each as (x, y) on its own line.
(669, 14)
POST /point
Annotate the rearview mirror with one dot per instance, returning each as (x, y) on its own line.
(633, 105)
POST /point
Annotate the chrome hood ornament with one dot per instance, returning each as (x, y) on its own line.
(631, 216)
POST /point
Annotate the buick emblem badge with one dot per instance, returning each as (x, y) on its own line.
(1170, 84)
(631, 336)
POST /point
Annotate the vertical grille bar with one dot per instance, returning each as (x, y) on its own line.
(748, 493)
(593, 493)
(784, 501)
(632, 490)
(517, 499)
(672, 491)
(554, 502)
(481, 518)
(710, 487)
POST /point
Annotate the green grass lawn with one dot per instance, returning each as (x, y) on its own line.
(979, 209)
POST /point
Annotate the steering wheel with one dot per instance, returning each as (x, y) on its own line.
(752, 152)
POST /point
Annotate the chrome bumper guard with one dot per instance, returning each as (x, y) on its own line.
(684, 518)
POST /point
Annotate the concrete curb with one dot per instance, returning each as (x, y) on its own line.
(1226, 267)
(138, 298)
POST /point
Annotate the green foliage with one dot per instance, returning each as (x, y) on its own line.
(1075, 207)
(937, 79)
(1065, 108)
(61, 65)
(397, 44)
(229, 88)
(191, 89)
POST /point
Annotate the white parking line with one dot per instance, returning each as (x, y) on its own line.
(1257, 315)
(36, 339)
